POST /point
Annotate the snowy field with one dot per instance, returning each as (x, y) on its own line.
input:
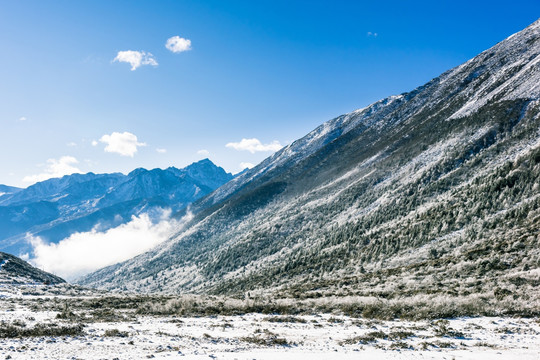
(128, 335)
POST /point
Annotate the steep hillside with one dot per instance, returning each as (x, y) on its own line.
(56, 208)
(431, 192)
(14, 271)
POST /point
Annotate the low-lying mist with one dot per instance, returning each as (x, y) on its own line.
(85, 252)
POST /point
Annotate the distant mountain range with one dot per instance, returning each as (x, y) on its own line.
(7, 190)
(434, 191)
(56, 208)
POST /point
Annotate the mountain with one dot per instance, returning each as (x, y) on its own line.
(434, 192)
(14, 271)
(7, 190)
(56, 208)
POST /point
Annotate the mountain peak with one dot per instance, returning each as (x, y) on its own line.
(137, 172)
(204, 161)
(207, 173)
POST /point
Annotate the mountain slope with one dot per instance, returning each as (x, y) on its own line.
(435, 191)
(15, 271)
(7, 190)
(56, 208)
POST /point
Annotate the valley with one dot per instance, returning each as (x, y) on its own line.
(37, 323)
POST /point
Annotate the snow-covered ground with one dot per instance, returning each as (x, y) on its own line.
(259, 336)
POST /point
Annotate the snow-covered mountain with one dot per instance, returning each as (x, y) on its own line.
(434, 191)
(56, 208)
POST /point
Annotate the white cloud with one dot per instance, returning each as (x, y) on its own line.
(176, 44)
(254, 145)
(71, 144)
(82, 253)
(124, 143)
(203, 152)
(22, 118)
(94, 143)
(372, 34)
(161, 151)
(246, 165)
(54, 169)
(136, 58)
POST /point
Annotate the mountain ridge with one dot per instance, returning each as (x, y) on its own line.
(56, 208)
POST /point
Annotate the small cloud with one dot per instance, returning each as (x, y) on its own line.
(161, 151)
(246, 165)
(94, 143)
(176, 44)
(71, 144)
(124, 143)
(254, 145)
(135, 58)
(22, 118)
(203, 152)
(55, 169)
(372, 34)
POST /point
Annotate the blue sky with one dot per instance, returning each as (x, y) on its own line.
(265, 70)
